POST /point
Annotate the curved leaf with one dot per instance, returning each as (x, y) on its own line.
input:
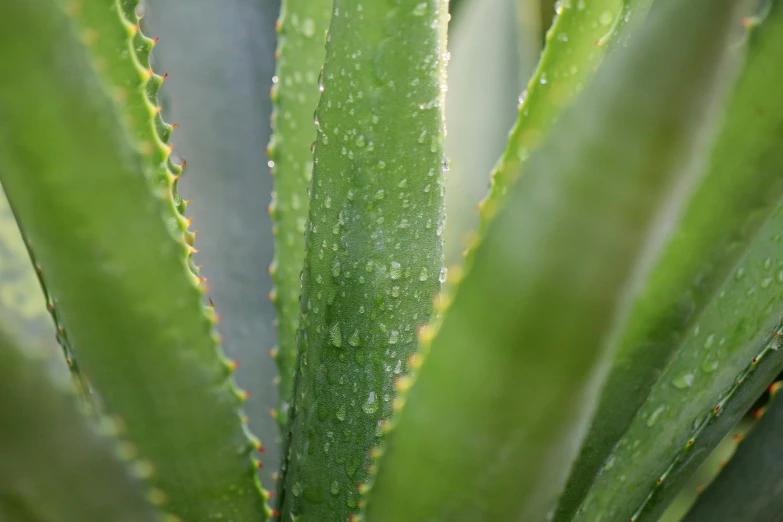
(706, 246)
(109, 237)
(54, 466)
(749, 486)
(374, 247)
(536, 313)
(301, 51)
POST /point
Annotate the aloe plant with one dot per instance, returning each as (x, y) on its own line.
(620, 312)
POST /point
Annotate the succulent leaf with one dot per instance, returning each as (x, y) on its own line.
(301, 51)
(537, 312)
(693, 270)
(46, 443)
(747, 488)
(374, 248)
(109, 236)
(576, 43)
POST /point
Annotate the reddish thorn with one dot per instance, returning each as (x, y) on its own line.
(60, 330)
(155, 40)
(755, 360)
(275, 513)
(210, 302)
(260, 448)
(174, 125)
(271, 494)
(202, 280)
(259, 464)
(184, 162)
(165, 75)
(188, 201)
(51, 307)
(717, 408)
(233, 364)
(69, 361)
(244, 394)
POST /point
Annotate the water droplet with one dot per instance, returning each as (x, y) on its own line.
(336, 335)
(443, 273)
(341, 412)
(709, 366)
(654, 416)
(683, 380)
(336, 268)
(296, 489)
(709, 341)
(423, 275)
(768, 263)
(606, 18)
(308, 27)
(394, 336)
(335, 488)
(395, 271)
(420, 9)
(371, 406)
(766, 282)
(395, 291)
(354, 339)
(739, 274)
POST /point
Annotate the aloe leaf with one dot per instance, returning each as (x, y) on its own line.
(704, 249)
(374, 247)
(301, 51)
(575, 45)
(225, 173)
(748, 487)
(108, 237)
(537, 311)
(53, 464)
(724, 365)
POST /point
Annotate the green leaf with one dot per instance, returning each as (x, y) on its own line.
(301, 51)
(224, 176)
(747, 488)
(109, 238)
(724, 365)
(374, 257)
(538, 310)
(53, 464)
(575, 46)
(706, 246)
